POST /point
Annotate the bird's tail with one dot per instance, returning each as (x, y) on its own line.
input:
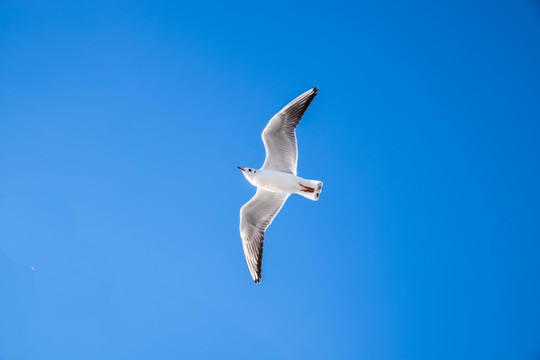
(310, 189)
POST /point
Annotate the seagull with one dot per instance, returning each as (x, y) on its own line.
(275, 181)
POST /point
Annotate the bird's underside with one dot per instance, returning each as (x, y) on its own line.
(256, 215)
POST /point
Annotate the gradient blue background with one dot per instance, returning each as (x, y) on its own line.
(121, 126)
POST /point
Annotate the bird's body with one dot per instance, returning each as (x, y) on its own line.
(284, 183)
(275, 181)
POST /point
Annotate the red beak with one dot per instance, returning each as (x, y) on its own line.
(241, 168)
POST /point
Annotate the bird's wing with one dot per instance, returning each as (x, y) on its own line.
(255, 216)
(279, 136)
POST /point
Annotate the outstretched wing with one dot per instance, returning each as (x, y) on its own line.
(255, 216)
(279, 136)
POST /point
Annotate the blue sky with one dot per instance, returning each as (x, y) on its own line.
(121, 126)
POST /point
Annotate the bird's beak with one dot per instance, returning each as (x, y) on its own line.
(241, 168)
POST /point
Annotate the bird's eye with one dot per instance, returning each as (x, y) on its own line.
(249, 170)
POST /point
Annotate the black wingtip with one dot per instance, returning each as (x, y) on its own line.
(257, 281)
(315, 89)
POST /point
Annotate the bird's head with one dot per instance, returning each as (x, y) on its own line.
(249, 173)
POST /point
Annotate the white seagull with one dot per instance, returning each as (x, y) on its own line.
(275, 181)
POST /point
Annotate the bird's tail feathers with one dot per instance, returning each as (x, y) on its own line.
(310, 189)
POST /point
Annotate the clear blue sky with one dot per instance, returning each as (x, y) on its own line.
(121, 127)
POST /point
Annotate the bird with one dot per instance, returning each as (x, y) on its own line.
(276, 180)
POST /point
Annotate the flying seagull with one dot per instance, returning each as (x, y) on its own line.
(275, 181)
